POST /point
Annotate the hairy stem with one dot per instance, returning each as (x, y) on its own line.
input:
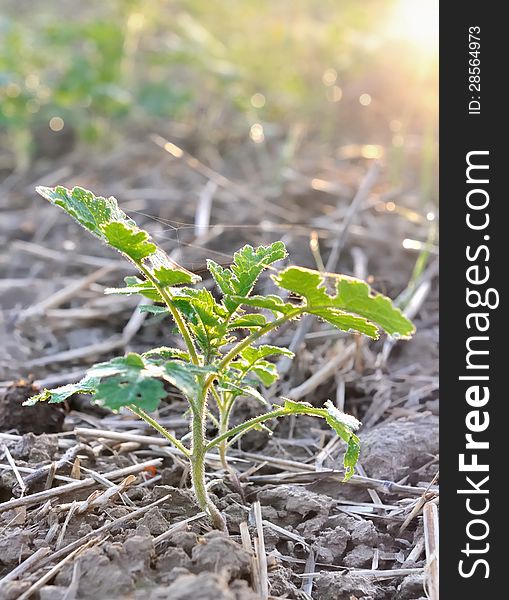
(198, 464)
(224, 421)
(179, 321)
(244, 427)
(164, 432)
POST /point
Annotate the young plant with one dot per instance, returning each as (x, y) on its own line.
(220, 358)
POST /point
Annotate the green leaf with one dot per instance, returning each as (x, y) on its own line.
(153, 309)
(253, 353)
(350, 295)
(164, 353)
(253, 360)
(129, 387)
(206, 318)
(248, 264)
(167, 271)
(249, 321)
(292, 406)
(134, 285)
(129, 240)
(351, 456)
(128, 380)
(90, 211)
(270, 302)
(249, 389)
(243, 390)
(347, 322)
(106, 220)
(88, 385)
(168, 277)
(184, 376)
(344, 425)
(265, 371)
(340, 421)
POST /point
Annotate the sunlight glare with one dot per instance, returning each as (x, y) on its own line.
(416, 21)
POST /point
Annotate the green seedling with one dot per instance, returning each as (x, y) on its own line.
(220, 358)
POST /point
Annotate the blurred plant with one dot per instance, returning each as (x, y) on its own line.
(226, 68)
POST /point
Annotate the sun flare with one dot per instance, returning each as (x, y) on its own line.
(416, 22)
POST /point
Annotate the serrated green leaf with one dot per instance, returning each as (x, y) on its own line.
(270, 302)
(253, 360)
(182, 377)
(61, 394)
(248, 264)
(167, 271)
(351, 456)
(243, 390)
(106, 220)
(90, 211)
(253, 353)
(185, 377)
(129, 387)
(347, 322)
(128, 380)
(263, 369)
(297, 407)
(249, 321)
(129, 240)
(134, 285)
(206, 318)
(168, 277)
(266, 372)
(338, 417)
(153, 309)
(344, 425)
(164, 353)
(350, 295)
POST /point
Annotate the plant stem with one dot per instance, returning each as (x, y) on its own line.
(164, 432)
(223, 428)
(249, 425)
(198, 464)
(179, 321)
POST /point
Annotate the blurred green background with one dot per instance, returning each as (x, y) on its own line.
(338, 72)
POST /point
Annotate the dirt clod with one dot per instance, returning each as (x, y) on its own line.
(154, 521)
(365, 532)
(41, 418)
(331, 545)
(184, 539)
(395, 449)
(360, 556)
(218, 553)
(111, 570)
(343, 586)
(294, 505)
(411, 588)
(204, 586)
(14, 545)
(172, 558)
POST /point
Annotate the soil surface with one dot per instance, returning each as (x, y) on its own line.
(87, 515)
